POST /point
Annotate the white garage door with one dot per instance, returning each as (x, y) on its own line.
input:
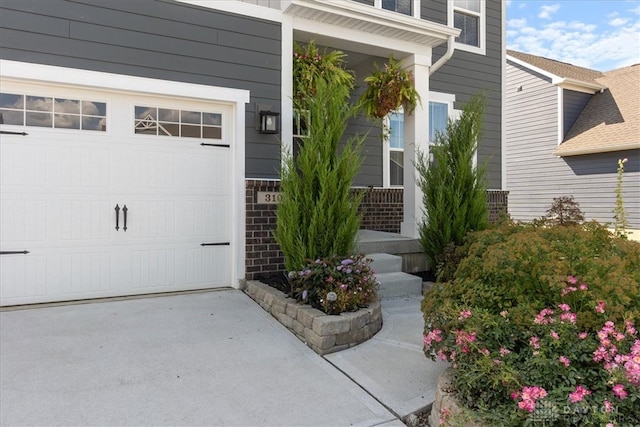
(111, 193)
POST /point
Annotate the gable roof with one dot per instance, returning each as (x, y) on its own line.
(560, 69)
(561, 73)
(611, 119)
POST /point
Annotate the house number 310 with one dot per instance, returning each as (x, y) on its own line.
(269, 197)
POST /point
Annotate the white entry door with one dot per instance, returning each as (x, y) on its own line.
(111, 194)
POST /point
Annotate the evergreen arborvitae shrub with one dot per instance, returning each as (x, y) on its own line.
(454, 189)
(318, 215)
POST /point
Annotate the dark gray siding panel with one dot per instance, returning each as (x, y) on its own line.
(467, 74)
(573, 104)
(159, 39)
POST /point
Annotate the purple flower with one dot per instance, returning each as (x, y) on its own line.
(347, 261)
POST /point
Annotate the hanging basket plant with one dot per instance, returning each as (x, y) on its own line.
(310, 65)
(388, 90)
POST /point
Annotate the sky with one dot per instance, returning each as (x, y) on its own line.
(599, 34)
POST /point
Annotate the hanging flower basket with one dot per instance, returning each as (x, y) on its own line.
(388, 90)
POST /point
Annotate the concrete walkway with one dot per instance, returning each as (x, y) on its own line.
(211, 358)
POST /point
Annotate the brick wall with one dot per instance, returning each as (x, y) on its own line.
(382, 208)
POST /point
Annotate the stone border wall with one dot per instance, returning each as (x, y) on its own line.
(322, 332)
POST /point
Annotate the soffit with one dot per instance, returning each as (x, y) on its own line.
(367, 19)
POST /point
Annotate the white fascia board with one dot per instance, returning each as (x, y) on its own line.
(578, 85)
(532, 68)
(239, 8)
(351, 13)
(119, 82)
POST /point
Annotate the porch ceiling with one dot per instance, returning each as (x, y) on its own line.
(352, 16)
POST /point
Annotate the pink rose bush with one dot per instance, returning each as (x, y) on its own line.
(511, 368)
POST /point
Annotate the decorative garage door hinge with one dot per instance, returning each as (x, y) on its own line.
(216, 145)
(216, 244)
(6, 132)
(13, 252)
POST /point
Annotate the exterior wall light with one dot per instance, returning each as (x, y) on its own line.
(269, 122)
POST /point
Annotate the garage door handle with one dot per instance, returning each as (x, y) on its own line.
(117, 209)
(124, 211)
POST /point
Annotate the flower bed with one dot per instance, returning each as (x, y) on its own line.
(323, 333)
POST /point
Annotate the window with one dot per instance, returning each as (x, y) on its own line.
(50, 112)
(440, 110)
(438, 117)
(396, 148)
(301, 119)
(469, 17)
(400, 6)
(405, 7)
(180, 123)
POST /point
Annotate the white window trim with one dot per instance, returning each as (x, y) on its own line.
(482, 24)
(415, 7)
(445, 98)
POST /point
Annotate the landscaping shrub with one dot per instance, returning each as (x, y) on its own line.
(454, 190)
(564, 211)
(540, 326)
(350, 279)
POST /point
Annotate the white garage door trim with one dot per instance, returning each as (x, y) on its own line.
(18, 72)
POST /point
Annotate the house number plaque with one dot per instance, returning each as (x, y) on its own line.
(269, 197)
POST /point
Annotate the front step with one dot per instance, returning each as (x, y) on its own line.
(393, 282)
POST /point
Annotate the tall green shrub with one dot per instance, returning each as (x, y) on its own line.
(454, 189)
(318, 216)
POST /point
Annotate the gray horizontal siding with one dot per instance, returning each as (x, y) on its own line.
(535, 176)
(159, 39)
(572, 104)
(466, 74)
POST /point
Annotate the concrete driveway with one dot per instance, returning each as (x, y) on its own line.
(210, 358)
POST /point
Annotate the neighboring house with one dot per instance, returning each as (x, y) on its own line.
(566, 129)
(144, 169)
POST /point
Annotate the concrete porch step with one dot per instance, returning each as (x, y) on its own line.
(399, 284)
(385, 263)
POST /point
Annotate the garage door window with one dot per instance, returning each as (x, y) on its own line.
(180, 123)
(50, 112)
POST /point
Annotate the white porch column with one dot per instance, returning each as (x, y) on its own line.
(416, 138)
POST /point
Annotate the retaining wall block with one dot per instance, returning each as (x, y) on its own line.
(331, 325)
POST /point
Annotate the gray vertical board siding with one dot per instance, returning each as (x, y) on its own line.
(467, 74)
(159, 39)
(535, 176)
(572, 103)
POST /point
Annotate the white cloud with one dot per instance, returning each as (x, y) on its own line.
(617, 22)
(547, 10)
(517, 23)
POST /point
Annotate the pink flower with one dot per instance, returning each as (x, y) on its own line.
(608, 406)
(434, 335)
(568, 290)
(504, 352)
(564, 360)
(583, 286)
(534, 342)
(583, 335)
(554, 335)
(619, 391)
(568, 317)
(564, 307)
(629, 328)
(543, 318)
(578, 394)
(572, 280)
(465, 314)
(484, 351)
(600, 307)
(529, 396)
(504, 313)
(442, 355)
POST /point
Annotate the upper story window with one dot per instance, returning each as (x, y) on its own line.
(50, 112)
(406, 7)
(469, 16)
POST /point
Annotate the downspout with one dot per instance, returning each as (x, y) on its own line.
(448, 54)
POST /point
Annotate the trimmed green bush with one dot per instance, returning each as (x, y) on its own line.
(540, 321)
(454, 190)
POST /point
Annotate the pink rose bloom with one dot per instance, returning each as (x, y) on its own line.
(578, 394)
(608, 406)
(564, 307)
(465, 314)
(619, 391)
(554, 335)
(600, 307)
(564, 360)
(583, 335)
(572, 280)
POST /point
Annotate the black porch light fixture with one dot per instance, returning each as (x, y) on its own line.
(269, 122)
